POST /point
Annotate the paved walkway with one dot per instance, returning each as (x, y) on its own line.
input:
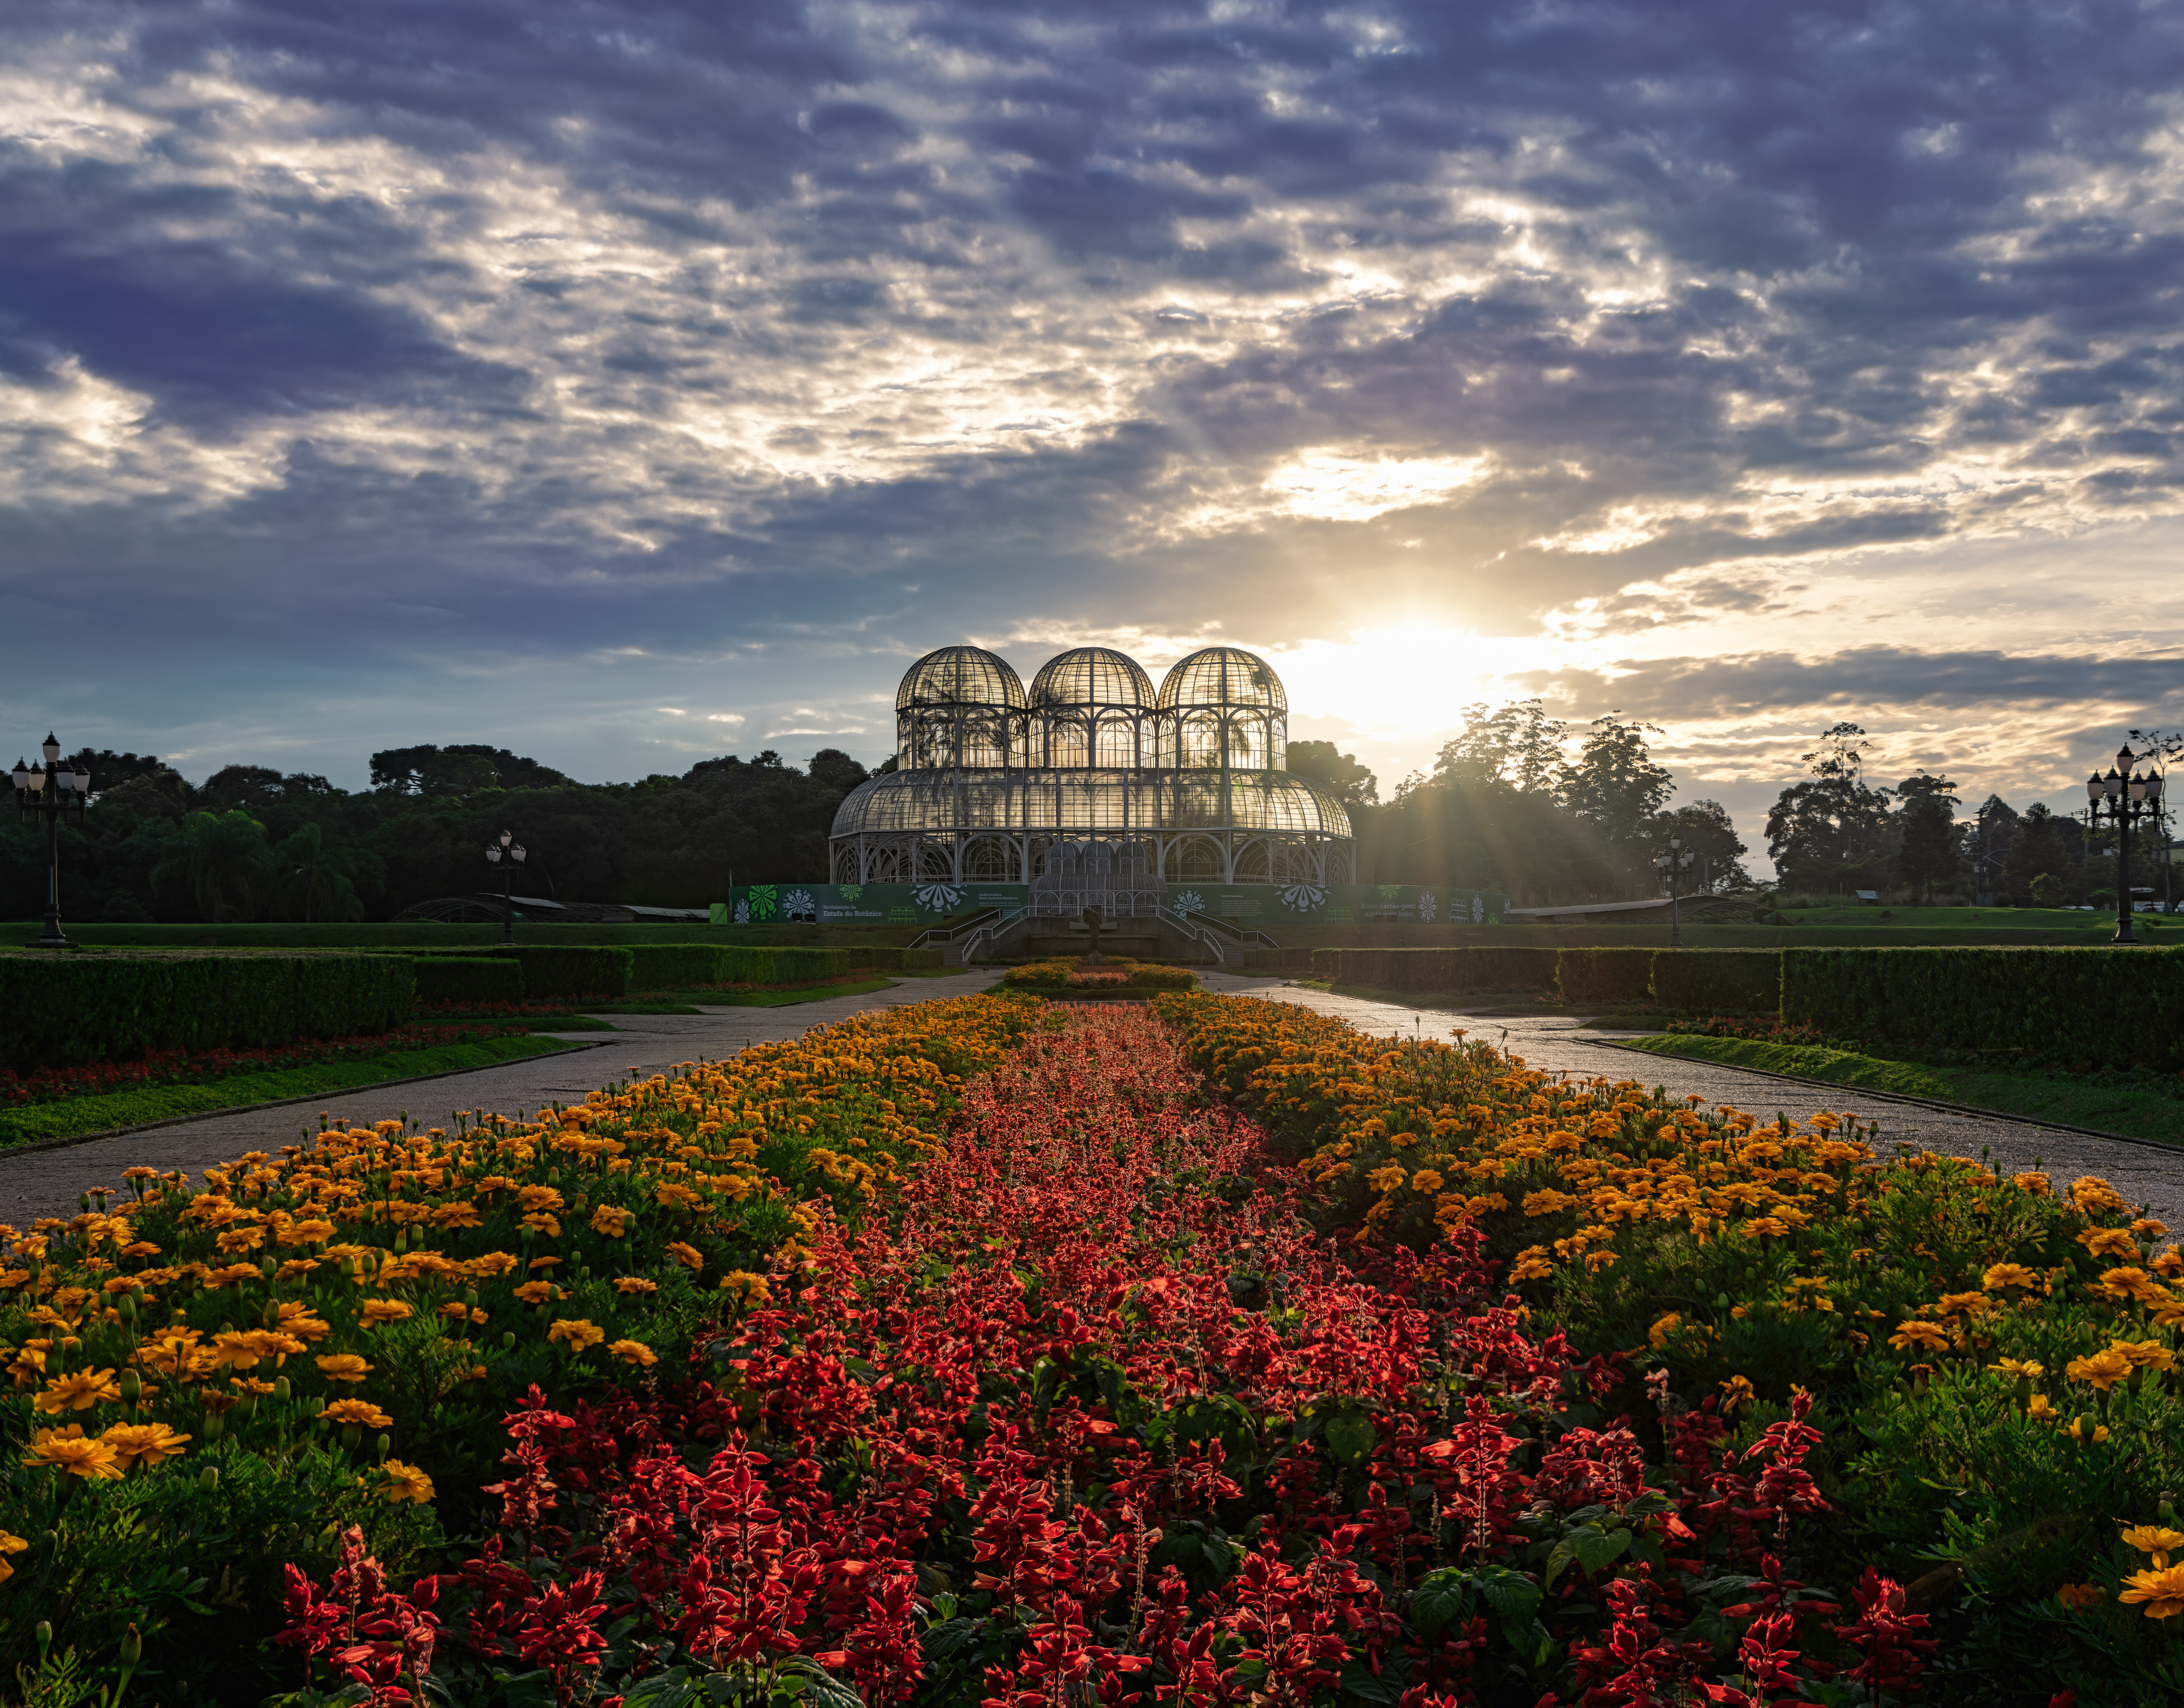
(47, 1182)
(50, 1183)
(2146, 1174)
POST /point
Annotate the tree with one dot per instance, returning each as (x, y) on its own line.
(1831, 831)
(465, 768)
(305, 873)
(1927, 851)
(836, 770)
(1519, 744)
(223, 858)
(1615, 786)
(1708, 831)
(1339, 773)
(2045, 845)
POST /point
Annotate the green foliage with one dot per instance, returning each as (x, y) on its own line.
(447, 978)
(1718, 981)
(882, 959)
(551, 970)
(1472, 967)
(88, 1008)
(691, 966)
(2098, 1005)
(1611, 976)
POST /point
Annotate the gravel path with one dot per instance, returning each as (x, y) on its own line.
(47, 1182)
(2151, 1175)
(50, 1183)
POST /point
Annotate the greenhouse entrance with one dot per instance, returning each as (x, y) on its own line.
(1121, 879)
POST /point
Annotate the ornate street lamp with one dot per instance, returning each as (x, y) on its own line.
(1672, 862)
(2125, 800)
(49, 792)
(513, 850)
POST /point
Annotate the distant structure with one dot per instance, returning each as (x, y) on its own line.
(1092, 781)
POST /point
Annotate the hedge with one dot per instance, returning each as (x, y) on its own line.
(551, 970)
(2111, 1008)
(445, 978)
(691, 966)
(1477, 967)
(68, 1009)
(1589, 976)
(1718, 981)
(880, 958)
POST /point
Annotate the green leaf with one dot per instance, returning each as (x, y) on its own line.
(1441, 1600)
(1514, 1597)
(668, 1689)
(950, 1637)
(1361, 1684)
(1351, 1437)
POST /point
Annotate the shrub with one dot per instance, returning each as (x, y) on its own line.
(1475, 967)
(551, 970)
(2113, 1008)
(882, 959)
(473, 979)
(1718, 981)
(1065, 972)
(1611, 975)
(66, 1009)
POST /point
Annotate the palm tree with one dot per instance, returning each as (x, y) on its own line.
(303, 868)
(222, 856)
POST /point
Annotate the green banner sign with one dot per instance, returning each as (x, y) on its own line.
(1264, 905)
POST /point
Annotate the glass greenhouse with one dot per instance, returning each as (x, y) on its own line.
(1092, 780)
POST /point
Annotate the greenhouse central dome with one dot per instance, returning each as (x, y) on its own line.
(1093, 772)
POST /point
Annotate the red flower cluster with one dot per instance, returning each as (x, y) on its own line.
(1094, 1414)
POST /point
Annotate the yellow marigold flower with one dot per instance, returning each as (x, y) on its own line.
(359, 1412)
(2077, 1431)
(1922, 1337)
(2091, 1192)
(1426, 1180)
(296, 1319)
(1767, 1225)
(2130, 1282)
(1532, 1263)
(399, 1482)
(2075, 1596)
(2034, 1182)
(540, 1222)
(244, 1350)
(1962, 1303)
(1662, 1328)
(610, 1220)
(2102, 1369)
(2157, 1539)
(2162, 1592)
(344, 1366)
(2031, 1370)
(78, 1391)
(751, 1289)
(2145, 1354)
(1386, 1177)
(2108, 1241)
(536, 1292)
(378, 1310)
(143, 1443)
(9, 1544)
(635, 1283)
(72, 1451)
(539, 1198)
(309, 1232)
(2001, 1274)
(687, 1256)
(576, 1333)
(1737, 1392)
(634, 1352)
(2039, 1409)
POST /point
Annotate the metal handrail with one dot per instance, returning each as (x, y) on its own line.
(991, 927)
(1250, 936)
(947, 933)
(1198, 933)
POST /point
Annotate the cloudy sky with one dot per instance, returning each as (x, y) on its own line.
(628, 383)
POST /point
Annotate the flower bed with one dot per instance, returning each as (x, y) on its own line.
(1072, 974)
(380, 1300)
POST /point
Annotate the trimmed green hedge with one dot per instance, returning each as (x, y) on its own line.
(1589, 976)
(1718, 981)
(446, 978)
(65, 1008)
(693, 965)
(551, 970)
(880, 958)
(1477, 967)
(2113, 1008)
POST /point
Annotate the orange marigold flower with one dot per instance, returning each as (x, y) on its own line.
(1737, 1391)
(2075, 1595)
(9, 1544)
(2038, 1409)
(1922, 1337)
(576, 1333)
(2161, 1591)
(359, 1411)
(1999, 1276)
(143, 1443)
(635, 1283)
(78, 1391)
(2108, 1241)
(2104, 1370)
(750, 1289)
(72, 1451)
(687, 1256)
(635, 1352)
(536, 1292)
(344, 1366)
(2156, 1539)
(2030, 1369)
(399, 1482)
(378, 1310)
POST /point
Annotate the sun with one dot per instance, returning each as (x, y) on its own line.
(1406, 682)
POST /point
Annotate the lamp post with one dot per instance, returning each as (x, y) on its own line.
(49, 792)
(2125, 800)
(1672, 862)
(507, 853)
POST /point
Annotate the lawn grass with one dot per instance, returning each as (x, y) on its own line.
(77, 1116)
(2123, 1110)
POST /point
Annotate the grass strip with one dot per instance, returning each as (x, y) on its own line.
(2124, 1110)
(103, 1113)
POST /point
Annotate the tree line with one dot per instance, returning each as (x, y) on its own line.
(251, 843)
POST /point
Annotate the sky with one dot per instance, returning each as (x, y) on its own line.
(628, 383)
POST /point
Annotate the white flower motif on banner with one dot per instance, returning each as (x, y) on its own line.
(1479, 909)
(939, 898)
(1190, 902)
(1303, 898)
(743, 913)
(1425, 903)
(798, 904)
